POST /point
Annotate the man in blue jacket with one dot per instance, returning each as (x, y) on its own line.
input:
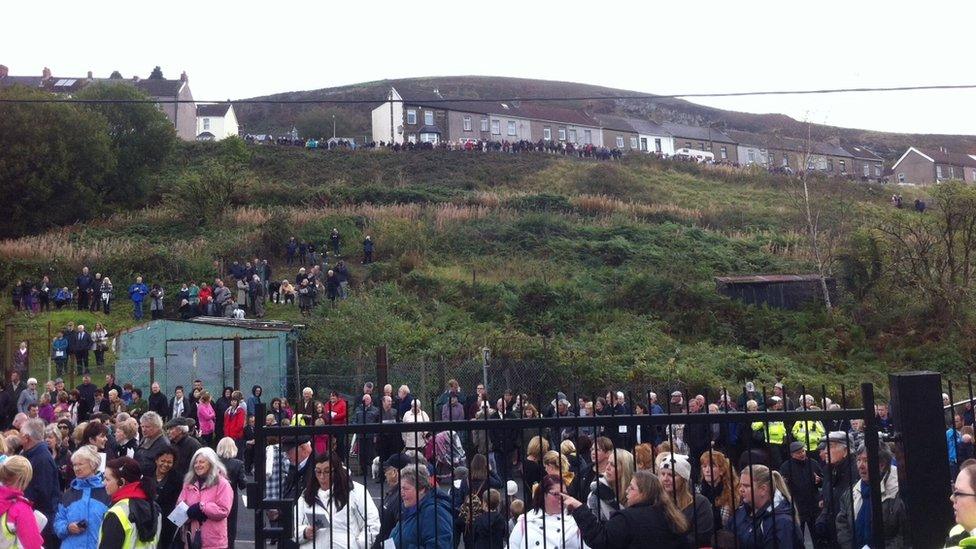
(44, 489)
(137, 293)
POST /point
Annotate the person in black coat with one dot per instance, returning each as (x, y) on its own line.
(157, 402)
(802, 476)
(651, 518)
(219, 408)
(489, 529)
(44, 489)
(80, 345)
(227, 451)
(169, 484)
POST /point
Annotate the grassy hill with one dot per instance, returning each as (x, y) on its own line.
(354, 120)
(603, 272)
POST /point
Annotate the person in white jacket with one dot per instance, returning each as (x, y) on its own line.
(336, 512)
(549, 524)
(415, 440)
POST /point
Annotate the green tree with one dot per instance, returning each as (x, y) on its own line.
(142, 139)
(202, 196)
(55, 160)
(156, 74)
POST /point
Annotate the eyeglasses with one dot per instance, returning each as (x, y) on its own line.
(958, 494)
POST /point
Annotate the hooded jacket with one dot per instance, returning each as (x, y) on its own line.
(771, 528)
(19, 515)
(85, 499)
(430, 523)
(253, 400)
(143, 513)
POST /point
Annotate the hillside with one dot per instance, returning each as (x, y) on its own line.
(599, 273)
(353, 120)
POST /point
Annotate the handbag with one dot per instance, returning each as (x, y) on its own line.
(194, 541)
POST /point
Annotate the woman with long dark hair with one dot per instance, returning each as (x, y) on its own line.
(334, 511)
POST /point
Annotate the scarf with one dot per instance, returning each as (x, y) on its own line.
(862, 523)
(132, 490)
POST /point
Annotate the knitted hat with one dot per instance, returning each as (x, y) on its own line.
(677, 462)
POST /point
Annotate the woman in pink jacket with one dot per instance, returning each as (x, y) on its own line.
(16, 511)
(207, 418)
(210, 497)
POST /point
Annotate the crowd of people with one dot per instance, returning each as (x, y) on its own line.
(112, 467)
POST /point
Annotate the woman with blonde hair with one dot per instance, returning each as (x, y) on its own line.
(532, 467)
(650, 519)
(609, 492)
(766, 516)
(556, 464)
(16, 510)
(720, 485)
(674, 470)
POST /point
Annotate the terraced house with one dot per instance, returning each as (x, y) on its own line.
(921, 166)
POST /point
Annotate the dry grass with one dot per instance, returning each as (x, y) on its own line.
(57, 245)
(602, 204)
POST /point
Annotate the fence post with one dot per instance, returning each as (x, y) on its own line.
(382, 367)
(916, 413)
(872, 443)
(152, 371)
(237, 363)
(256, 488)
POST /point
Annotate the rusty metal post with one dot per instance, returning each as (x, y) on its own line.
(152, 371)
(382, 367)
(237, 362)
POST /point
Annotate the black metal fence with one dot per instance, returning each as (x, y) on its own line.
(326, 485)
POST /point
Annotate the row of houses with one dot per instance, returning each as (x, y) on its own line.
(192, 121)
(435, 119)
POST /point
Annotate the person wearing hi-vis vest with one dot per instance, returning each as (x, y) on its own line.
(18, 522)
(773, 433)
(133, 521)
(810, 433)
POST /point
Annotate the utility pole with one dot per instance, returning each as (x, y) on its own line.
(333, 127)
(392, 129)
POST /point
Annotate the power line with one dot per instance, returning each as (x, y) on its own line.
(493, 100)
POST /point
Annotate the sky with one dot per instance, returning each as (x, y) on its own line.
(245, 49)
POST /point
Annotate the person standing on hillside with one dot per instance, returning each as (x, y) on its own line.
(137, 293)
(368, 247)
(336, 241)
(83, 283)
(290, 250)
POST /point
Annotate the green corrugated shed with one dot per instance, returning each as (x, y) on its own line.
(203, 348)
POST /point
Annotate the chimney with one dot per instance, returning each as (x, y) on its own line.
(135, 78)
(183, 77)
(90, 75)
(46, 73)
(4, 71)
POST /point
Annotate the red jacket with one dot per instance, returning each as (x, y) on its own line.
(234, 420)
(337, 418)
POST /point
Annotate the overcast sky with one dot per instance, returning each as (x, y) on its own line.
(244, 49)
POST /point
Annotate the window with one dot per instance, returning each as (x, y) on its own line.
(752, 156)
(701, 145)
(843, 166)
(484, 124)
(867, 170)
(512, 130)
(412, 138)
(938, 172)
(810, 165)
(572, 136)
(620, 142)
(428, 138)
(901, 177)
(467, 123)
(633, 142)
(547, 134)
(786, 160)
(877, 170)
(429, 118)
(496, 127)
(587, 137)
(206, 123)
(411, 116)
(687, 144)
(562, 134)
(657, 144)
(724, 153)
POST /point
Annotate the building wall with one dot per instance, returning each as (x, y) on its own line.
(667, 144)
(914, 169)
(412, 131)
(523, 128)
(186, 115)
(875, 168)
(949, 172)
(714, 146)
(752, 155)
(381, 122)
(610, 140)
(456, 126)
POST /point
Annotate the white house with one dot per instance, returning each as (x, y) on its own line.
(653, 138)
(388, 119)
(216, 122)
